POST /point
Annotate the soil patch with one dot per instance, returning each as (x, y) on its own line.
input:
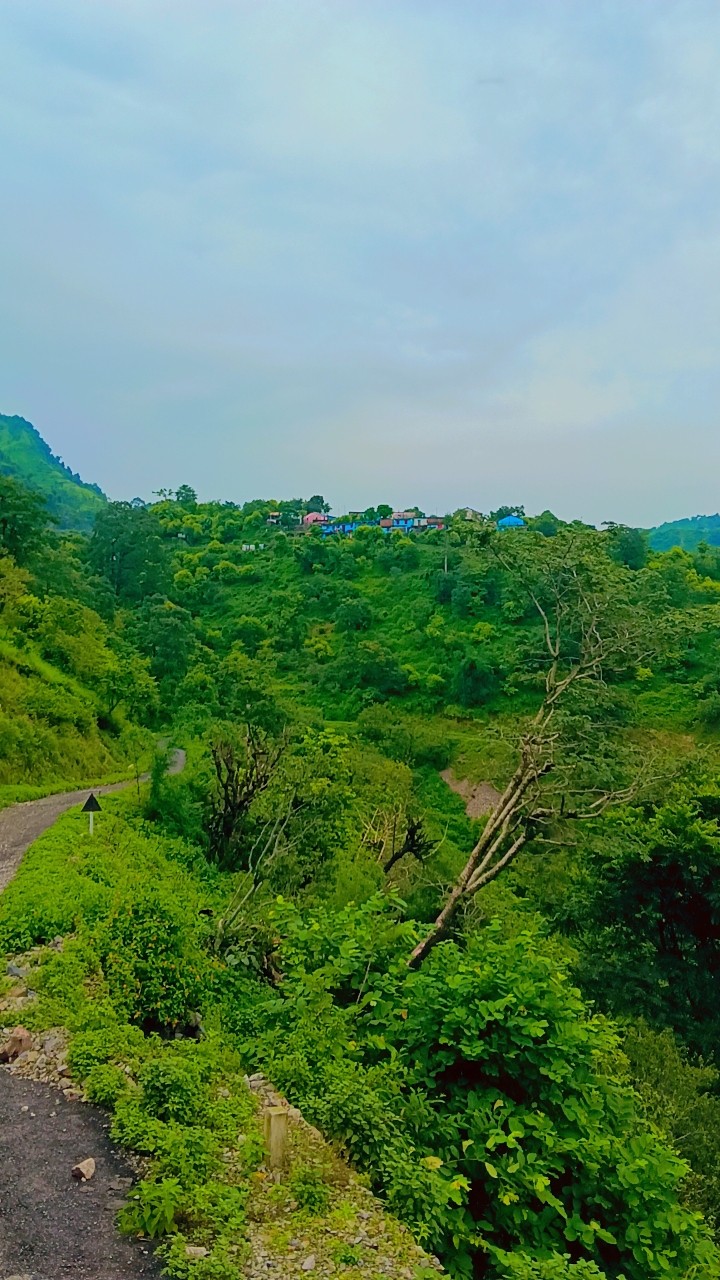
(480, 797)
(53, 1227)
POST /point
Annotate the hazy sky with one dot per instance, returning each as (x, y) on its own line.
(432, 251)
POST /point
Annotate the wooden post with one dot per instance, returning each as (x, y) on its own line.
(91, 815)
(276, 1133)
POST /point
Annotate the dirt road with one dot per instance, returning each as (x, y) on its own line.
(21, 824)
(51, 1226)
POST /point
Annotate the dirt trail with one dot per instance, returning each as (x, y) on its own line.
(480, 797)
(51, 1226)
(21, 824)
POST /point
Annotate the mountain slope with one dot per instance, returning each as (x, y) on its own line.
(25, 456)
(688, 533)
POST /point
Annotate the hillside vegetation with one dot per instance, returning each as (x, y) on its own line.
(26, 457)
(508, 1023)
(688, 533)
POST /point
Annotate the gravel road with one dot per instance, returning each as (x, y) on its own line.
(51, 1226)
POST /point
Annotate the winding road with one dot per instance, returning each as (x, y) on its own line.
(21, 824)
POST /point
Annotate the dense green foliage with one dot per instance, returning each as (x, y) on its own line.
(277, 888)
(25, 457)
(688, 533)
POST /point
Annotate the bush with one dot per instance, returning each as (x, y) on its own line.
(105, 1084)
(152, 1208)
(309, 1188)
(149, 953)
(172, 1089)
(412, 741)
(480, 1096)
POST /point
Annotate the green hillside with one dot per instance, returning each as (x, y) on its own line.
(504, 1014)
(688, 533)
(25, 456)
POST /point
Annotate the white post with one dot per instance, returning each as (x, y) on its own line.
(91, 815)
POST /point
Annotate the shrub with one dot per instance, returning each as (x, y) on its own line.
(188, 1153)
(309, 1188)
(152, 1207)
(152, 964)
(172, 1089)
(479, 1094)
(106, 1084)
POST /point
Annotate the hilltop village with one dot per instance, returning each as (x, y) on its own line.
(412, 520)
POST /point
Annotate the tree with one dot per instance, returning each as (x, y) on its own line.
(546, 523)
(127, 549)
(24, 520)
(317, 503)
(502, 512)
(393, 834)
(355, 614)
(627, 546)
(186, 496)
(243, 770)
(165, 633)
(124, 679)
(649, 910)
(476, 679)
(589, 629)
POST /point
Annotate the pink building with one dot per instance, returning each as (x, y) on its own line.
(314, 517)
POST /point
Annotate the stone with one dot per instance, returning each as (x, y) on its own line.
(309, 1263)
(14, 971)
(195, 1251)
(19, 1041)
(84, 1170)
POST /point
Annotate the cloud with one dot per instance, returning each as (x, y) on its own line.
(419, 245)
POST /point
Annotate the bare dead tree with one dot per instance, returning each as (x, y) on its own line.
(243, 770)
(268, 846)
(393, 834)
(584, 637)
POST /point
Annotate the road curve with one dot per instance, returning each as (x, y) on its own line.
(21, 824)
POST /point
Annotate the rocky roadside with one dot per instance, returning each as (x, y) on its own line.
(347, 1232)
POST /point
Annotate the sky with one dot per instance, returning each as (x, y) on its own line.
(433, 252)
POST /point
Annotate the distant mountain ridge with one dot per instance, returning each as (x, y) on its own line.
(687, 533)
(26, 457)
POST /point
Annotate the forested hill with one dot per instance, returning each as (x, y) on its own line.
(688, 533)
(25, 456)
(507, 1016)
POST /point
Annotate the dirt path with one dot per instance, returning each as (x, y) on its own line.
(21, 824)
(480, 797)
(51, 1226)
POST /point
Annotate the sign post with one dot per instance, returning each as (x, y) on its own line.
(91, 807)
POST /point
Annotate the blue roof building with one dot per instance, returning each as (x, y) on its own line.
(511, 522)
